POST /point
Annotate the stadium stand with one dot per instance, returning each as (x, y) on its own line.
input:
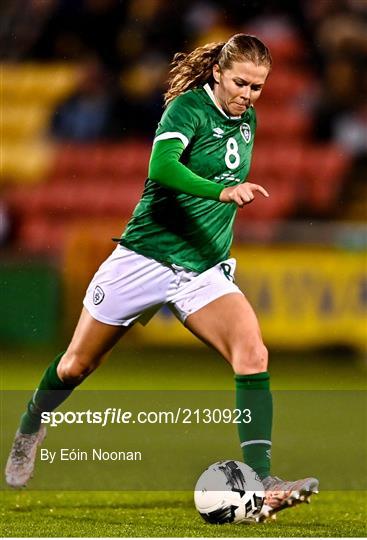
(48, 186)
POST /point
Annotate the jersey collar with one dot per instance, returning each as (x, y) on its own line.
(210, 93)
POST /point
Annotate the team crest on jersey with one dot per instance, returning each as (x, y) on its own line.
(98, 295)
(246, 132)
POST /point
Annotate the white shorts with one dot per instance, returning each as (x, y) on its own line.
(129, 287)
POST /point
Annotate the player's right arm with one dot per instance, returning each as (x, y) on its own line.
(178, 126)
(242, 194)
(166, 169)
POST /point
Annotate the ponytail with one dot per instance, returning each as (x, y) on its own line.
(191, 70)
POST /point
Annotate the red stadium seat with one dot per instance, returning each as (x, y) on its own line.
(282, 123)
(326, 170)
(68, 198)
(280, 36)
(277, 160)
(114, 160)
(283, 201)
(40, 235)
(288, 85)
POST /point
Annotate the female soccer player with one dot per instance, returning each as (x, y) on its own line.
(175, 251)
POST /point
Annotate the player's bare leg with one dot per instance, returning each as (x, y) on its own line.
(89, 346)
(229, 324)
(91, 342)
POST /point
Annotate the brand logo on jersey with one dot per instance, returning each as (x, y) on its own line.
(98, 295)
(246, 132)
(218, 132)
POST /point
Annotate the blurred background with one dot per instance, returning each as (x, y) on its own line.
(82, 84)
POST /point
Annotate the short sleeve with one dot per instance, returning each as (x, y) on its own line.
(180, 120)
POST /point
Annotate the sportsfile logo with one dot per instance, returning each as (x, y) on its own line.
(218, 132)
(178, 415)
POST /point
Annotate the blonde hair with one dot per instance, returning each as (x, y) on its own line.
(195, 69)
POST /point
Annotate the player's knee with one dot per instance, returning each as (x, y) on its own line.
(73, 368)
(252, 359)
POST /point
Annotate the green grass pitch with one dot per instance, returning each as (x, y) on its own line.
(332, 513)
(140, 514)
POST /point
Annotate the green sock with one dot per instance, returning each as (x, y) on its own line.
(52, 391)
(253, 393)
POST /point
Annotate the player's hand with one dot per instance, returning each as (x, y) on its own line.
(242, 194)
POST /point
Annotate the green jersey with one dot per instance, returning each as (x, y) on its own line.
(182, 229)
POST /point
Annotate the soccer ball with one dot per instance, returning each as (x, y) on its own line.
(229, 492)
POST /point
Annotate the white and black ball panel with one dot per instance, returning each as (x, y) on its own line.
(221, 515)
(228, 492)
